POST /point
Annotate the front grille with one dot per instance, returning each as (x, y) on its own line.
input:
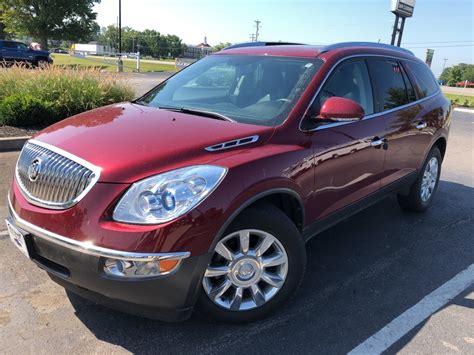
(49, 179)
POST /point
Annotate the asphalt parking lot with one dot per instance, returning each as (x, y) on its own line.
(362, 274)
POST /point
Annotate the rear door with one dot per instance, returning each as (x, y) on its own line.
(348, 166)
(396, 102)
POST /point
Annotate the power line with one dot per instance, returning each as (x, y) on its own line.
(438, 42)
(454, 45)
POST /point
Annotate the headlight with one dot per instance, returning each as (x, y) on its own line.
(164, 197)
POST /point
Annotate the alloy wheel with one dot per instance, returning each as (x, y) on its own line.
(247, 269)
(430, 178)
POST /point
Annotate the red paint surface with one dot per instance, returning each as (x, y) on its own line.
(328, 168)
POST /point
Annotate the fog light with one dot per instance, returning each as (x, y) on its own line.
(137, 269)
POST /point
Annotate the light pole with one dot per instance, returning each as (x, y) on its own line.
(120, 62)
(444, 64)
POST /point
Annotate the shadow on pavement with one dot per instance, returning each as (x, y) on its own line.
(361, 274)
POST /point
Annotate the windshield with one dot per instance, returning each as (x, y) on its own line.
(259, 90)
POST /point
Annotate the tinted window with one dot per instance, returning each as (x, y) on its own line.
(390, 87)
(351, 81)
(20, 46)
(8, 44)
(425, 80)
(409, 86)
(259, 90)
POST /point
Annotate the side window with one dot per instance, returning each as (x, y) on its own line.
(8, 45)
(21, 46)
(390, 88)
(349, 80)
(409, 86)
(426, 82)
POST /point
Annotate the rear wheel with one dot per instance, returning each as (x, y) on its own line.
(254, 268)
(425, 186)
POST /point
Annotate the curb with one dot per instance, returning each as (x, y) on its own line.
(11, 144)
(462, 109)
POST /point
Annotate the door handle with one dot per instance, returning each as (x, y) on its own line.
(421, 125)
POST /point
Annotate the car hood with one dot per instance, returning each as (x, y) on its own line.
(129, 142)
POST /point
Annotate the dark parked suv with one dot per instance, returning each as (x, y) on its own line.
(16, 52)
(202, 193)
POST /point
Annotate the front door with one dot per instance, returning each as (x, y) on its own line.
(349, 156)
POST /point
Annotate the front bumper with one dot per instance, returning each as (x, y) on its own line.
(78, 266)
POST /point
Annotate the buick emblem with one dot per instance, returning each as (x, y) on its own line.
(34, 169)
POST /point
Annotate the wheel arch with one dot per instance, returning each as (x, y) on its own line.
(286, 200)
(441, 143)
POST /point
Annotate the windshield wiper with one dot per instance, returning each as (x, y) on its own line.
(193, 111)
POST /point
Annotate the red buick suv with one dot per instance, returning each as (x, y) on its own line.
(202, 193)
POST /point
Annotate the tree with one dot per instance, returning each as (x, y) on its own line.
(3, 34)
(109, 37)
(458, 73)
(469, 73)
(50, 19)
(148, 42)
(221, 46)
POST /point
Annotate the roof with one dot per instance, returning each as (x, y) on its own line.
(311, 51)
(276, 50)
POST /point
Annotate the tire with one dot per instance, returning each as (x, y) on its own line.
(416, 200)
(262, 223)
(42, 64)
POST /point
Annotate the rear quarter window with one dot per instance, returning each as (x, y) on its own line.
(425, 80)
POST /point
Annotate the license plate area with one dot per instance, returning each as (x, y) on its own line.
(18, 238)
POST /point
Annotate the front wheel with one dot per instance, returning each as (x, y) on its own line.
(425, 186)
(255, 267)
(42, 64)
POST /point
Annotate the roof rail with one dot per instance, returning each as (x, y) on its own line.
(262, 44)
(364, 44)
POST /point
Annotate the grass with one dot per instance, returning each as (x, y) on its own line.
(39, 97)
(109, 64)
(461, 100)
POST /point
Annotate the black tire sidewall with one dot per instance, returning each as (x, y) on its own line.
(269, 219)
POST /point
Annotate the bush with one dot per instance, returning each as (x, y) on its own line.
(25, 111)
(44, 96)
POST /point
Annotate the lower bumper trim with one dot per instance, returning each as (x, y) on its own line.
(151, 312)
(88, 247)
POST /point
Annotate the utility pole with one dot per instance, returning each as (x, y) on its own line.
(120, 62)
(444, 64)
(252, 37)
(257, 29)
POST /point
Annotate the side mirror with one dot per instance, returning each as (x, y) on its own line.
(339, 109)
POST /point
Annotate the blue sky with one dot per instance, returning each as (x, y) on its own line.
(444, 25)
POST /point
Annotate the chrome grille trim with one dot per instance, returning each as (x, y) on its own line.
(232, 144)
(64, 178)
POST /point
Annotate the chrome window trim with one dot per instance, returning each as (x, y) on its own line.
(374, 115)
(51, 205)
(88, 247)
(222, 146)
